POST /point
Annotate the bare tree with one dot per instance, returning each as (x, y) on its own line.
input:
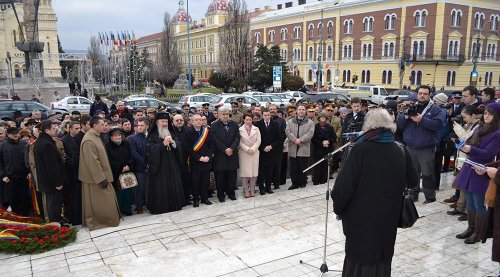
(167, 66)
(95, 54)
(235, 52)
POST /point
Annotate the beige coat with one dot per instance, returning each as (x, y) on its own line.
(305, 133)
(100, 207)
(249, 164)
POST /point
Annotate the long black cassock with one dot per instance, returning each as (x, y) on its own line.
(165, 192)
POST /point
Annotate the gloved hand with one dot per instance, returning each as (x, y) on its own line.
(104, 184)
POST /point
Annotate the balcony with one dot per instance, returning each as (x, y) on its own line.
(366, 58)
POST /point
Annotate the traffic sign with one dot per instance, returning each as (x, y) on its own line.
(277, 76)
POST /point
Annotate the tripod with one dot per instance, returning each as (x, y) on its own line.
(329, 158)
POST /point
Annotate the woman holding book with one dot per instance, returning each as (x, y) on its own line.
(482, 147)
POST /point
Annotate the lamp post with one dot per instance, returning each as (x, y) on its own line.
(474, 75)
(189, 47)
(11, 81)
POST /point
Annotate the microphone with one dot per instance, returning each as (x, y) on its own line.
(352, 134)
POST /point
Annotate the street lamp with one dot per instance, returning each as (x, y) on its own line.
(11, 81)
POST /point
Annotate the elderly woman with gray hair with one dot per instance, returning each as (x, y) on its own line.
(368, 196)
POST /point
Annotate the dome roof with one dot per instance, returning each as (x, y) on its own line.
(218, 5)
(181, 16)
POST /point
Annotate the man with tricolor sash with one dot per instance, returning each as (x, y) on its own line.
(201, 150)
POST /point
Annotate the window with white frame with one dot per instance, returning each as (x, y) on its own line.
(418, 48)
(257, 37)
(365, 76)
(329, 52)
(420, 17)
(297, 32)
(453, 48)
(320, 29)
(368, 24)
(311, 31)
(479, 20)
(320, 53)
(296, 54)
(388, 50)
(387, 77)
(330, 28)
(347, 52)
(476, 50)
(416, 77)
(494, 18)
(310, 54)
(310, 75)
(346, 76)
(348, 25)
(284, 54)
(271, 35)
(488, 77)
(456, 17)
(367, 51)
(284, 33)
(491, 50)
(450, 78)
(390, 21)
(328, 75)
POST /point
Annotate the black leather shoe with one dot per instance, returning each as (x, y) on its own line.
(303, 186)
(188, 202)
(454, 212)
(276, 187)
(196, 203)
(222, 199)
(206, 202)
(293, 187)
(270, 191)
(262, 192)
(232, 197)
(428, 201)
(463, 217)
(414, 198)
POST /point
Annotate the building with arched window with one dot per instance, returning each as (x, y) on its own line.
(435, 41)
(10, 34)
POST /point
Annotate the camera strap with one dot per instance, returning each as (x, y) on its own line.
(427, 107)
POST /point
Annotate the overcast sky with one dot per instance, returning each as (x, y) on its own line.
(79, 19)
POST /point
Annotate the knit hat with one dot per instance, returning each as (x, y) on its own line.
(496, 107)
(440, 99)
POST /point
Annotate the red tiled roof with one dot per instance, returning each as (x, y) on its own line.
(148, 38)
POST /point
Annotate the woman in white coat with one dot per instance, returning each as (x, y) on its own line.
(248, 154)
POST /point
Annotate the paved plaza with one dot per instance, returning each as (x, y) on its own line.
(262, 236)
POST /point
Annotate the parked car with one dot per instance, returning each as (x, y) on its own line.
(7, 109)
(72, 103)
(133, 96)
(195, 100)
(401, 95)
(252, 93)
(145, 102)
(224, 100)
(322, 97)
(270, 98)
(297, 95)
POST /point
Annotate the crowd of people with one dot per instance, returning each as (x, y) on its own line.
(68, 168)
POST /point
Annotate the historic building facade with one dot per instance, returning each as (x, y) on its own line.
(435, 41)
(10, 34)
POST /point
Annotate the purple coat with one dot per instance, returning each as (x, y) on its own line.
(484, 153)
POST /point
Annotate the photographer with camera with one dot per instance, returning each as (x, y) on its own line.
(353, 121)
(421, 123)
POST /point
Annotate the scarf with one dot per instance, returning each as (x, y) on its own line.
(380, 135)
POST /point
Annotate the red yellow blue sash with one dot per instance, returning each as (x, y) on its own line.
(201, 140)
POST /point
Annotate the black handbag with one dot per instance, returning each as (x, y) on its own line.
(409, 213)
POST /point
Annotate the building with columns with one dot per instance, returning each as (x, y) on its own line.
(10, 33)
(435, 40)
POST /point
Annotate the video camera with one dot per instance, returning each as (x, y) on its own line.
(458, 119)
(411, 109)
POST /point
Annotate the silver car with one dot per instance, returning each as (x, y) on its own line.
(195, 100)
(225, 100)
(270, 98)
(72, 103)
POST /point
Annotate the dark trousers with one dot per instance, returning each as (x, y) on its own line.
(225, 179)
(54, 201)
(75, 203)
(297, 165)
(186, 184)
(124, 198)
(19, 195)
(270, 175)
(438, 166)
(200, 180)
(283, 169)
(320, 175)
(423, 159)
(142, 180)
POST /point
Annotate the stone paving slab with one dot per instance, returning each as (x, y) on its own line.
(262, 236)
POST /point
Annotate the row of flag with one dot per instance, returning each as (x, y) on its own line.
(118, 39)
(324, 66)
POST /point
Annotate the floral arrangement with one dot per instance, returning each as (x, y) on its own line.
(29, 235)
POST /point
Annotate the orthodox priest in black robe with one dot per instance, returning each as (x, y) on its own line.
(165, 183)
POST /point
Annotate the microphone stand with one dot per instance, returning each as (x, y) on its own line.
(329, 158)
